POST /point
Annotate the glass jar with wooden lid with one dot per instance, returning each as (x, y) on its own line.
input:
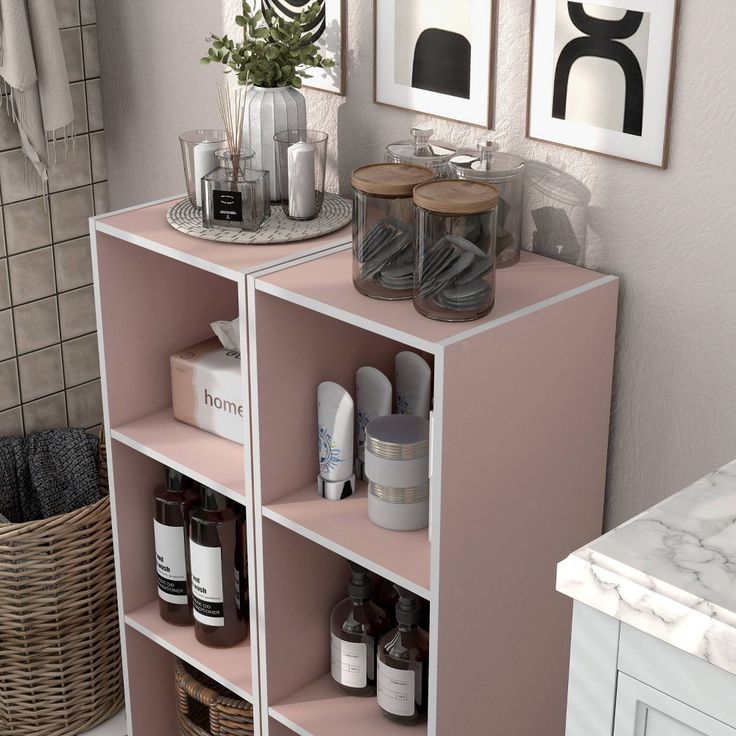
(383, 229)
(455, 249)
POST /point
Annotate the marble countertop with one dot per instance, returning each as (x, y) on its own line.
(670, 571)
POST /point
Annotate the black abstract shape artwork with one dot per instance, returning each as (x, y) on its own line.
(602, 41)
(442, 63)
(290, 10)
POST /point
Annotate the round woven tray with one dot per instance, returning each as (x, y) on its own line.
(336, 213)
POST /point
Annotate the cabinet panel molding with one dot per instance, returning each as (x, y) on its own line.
(643, 711)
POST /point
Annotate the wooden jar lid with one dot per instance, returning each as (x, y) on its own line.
(456, 197)
(390, 180)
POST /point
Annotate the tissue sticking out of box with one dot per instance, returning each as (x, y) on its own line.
(228, 333)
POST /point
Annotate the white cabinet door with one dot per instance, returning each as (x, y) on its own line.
(643, 711)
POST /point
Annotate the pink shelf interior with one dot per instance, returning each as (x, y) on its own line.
(150, 223)
(344, 527)
(321, 710)
(328, 281)
(230, 667)
(208, 458)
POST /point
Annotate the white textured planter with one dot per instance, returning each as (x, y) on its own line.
(271, 110)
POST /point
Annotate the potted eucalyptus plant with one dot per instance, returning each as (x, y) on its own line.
(272, 59)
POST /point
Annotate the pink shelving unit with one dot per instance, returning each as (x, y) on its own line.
(157, 291)
(518, 454)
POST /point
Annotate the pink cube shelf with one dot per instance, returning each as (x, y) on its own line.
(345, 529)
(518, 458)
(231, 667)
(321, 709)
(209, 459)
(521, 410)
(146, 226)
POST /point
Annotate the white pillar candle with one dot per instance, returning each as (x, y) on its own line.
(204, 161)
(301, 180)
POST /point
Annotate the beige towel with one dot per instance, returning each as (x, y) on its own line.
(34, 71)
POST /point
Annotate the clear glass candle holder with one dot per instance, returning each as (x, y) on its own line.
(198, 152)
(235, 195)
(301, 159)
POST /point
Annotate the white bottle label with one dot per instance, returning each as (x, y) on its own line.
(171, 562)
(352, 663)
(396, 690)
(207, 598)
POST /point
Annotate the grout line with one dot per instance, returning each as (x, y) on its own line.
(60, 341)
(49, 296)
(12, 319)
(51, 194)
(58, 320)
(55, 393)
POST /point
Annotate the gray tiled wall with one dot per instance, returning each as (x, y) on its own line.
(49, 367)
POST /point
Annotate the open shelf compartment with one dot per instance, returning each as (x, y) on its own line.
(302, 583)
(344, 528)
(135, 475)
(312, 348)
(214, 461)
(230, 667)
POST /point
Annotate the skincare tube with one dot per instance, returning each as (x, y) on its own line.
(335, 420)
(413, 384)
(374, 392)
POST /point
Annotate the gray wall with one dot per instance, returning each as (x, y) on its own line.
(49, 368)
(668, 234)
(154, 89)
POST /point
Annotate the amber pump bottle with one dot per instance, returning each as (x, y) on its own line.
(402, 665)
(356, 625)
(173, 503)
(220, 619)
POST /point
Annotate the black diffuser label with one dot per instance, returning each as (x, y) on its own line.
(227, 205)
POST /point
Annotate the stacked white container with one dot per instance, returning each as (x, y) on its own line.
(397, 468)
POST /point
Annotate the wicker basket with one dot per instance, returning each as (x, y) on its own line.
(60, 669)
(205, 708)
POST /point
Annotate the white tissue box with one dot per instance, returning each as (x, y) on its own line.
(207, 389)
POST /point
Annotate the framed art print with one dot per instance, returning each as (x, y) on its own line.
(327, 32)
(436, 57)
(601, 76)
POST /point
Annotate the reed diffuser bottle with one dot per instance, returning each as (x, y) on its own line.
(234, 195)
(220, 618)
(402, 665)
(173, 504)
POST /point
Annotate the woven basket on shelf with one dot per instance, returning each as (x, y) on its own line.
(205, 708)
(60, 670)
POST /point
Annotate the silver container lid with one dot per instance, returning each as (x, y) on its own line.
(418, 494)
(487, 164)
(420, 150)
(398, 437)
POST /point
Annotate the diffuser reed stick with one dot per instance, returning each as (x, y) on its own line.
(231, 106)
